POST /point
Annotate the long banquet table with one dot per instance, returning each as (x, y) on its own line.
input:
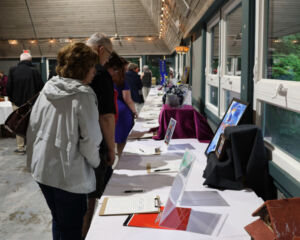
(130, 173)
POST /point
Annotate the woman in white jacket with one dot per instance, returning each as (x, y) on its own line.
(63, 140)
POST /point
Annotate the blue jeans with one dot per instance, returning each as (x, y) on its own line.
(68, 210)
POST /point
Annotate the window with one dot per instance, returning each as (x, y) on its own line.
(212, 66)
(223, 73)
(277, 79)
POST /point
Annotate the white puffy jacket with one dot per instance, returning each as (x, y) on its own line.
(63, 136)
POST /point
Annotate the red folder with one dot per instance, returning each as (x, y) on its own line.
(177, 220)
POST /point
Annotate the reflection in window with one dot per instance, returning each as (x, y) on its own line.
(229, 95)
(283, 54)
(234, 42)
(214, 49)
(281, 128)
(213, 95)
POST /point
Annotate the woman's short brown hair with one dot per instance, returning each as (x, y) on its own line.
(132, 66)
(75, 60)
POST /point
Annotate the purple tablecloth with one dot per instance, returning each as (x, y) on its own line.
(190, 123)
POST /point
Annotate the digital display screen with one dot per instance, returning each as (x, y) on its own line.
(232, 117)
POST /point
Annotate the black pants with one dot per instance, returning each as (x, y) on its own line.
(68, 210)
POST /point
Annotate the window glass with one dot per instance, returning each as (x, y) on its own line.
(234, 42)
(213, 94)
(282, 128)
(229, 95)
(214, 49)
(282, 60)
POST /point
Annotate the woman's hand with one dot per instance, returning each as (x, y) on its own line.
(135, 114)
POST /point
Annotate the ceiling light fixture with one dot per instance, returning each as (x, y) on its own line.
(13, 42)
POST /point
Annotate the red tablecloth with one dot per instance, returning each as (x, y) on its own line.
(190, 123)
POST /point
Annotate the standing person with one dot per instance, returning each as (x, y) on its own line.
(3, 83)
(24, 81)
(146, 81)
(135, 84)
(126, 107)
(64, 138)
(104, 89)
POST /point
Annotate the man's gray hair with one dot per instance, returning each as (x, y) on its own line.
(98, 39)
(146, 68)
(25, 57)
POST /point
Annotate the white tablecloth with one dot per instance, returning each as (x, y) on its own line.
(131, 173)
(5, 110)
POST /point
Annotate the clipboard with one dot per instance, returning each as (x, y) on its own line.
(128, 205)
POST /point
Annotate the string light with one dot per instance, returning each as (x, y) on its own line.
(12, 42)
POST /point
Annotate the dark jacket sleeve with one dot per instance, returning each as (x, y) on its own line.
(140, 84)
(39, 84)
(9, 85)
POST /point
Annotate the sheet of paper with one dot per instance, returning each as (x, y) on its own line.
(202, 198)
(168, 166)
(128, 205)
(139, 135)
(149, 115)
(151, 124)
(141, 149)
(207, 223)
(184, 146)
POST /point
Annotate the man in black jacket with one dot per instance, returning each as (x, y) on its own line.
(104, 89)
(24, 81)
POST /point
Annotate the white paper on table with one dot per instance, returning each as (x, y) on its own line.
(149, 115)
(128, 205)
(207, 223)
(169, 166)
(141, 149)
(202, 198)
(151, 124)
(182, 146)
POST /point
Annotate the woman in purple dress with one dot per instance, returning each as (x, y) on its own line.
(126, 107)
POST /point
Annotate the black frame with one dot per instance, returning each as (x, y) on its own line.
(233, 99)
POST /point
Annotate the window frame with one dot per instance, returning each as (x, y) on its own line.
(266, 90)
(227, 82)
(220, 80)
(212, 79)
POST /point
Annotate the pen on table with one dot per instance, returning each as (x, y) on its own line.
(141, 150)
(134, 191)
(162, 169)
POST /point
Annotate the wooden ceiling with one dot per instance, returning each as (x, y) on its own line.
(136, 22)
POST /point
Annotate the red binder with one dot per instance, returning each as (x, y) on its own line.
(177, 220)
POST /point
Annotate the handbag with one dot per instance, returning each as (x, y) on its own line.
(17, 122)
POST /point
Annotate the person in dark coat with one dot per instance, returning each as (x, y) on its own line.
(135, 85)
(104, 90)
(24, 81)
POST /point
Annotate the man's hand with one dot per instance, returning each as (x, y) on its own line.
(111, 157)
